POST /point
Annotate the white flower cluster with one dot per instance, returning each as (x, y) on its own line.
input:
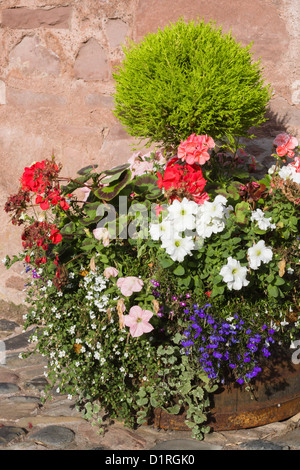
(264, 223)
(235, 275)
(187, 224)
(94, 285)
(290, 171)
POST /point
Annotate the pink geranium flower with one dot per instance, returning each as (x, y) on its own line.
(129, 284)
(138, 321)
(195, 149)
(285, 144)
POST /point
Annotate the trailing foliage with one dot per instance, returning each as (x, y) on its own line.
(159, 283)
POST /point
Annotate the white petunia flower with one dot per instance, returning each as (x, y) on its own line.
(234, 274)
(211, 217)
(178, 247)
(258, 254)
(161, 230)
(263, 222)
(183, 214)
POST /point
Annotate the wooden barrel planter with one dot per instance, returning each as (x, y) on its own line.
(276, 397)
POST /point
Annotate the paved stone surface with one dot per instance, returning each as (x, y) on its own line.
(185, 444)
(27, 424)
(56, 436)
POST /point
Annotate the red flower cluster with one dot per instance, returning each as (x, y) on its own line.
(39, 235)
(183, 181)
(17, 203)
(53, 197)
(39, 178)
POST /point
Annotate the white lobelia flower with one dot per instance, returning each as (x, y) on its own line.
(234, 274)
(263, 222)
(183, 214)
(258, 254)
(178, 247)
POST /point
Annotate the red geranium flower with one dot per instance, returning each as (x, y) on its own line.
(55, 236)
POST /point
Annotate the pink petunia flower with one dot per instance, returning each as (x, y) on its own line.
(102, 233)
(138, 321)
(129, 284)
(110, 272)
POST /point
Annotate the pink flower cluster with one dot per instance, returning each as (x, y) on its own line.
(143, 164)
(138, 319)
(285, 145)
(195, 149)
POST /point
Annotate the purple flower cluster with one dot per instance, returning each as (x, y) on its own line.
(223, 345)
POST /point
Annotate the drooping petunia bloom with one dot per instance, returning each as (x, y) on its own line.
(138, 321)
(102, 233)
(129, 284)
(110, 272)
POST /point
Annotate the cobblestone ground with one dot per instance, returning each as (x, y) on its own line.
(26, 424)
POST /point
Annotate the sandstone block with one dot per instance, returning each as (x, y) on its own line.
(91, 62)
(31, 100)
(26, 18)
(32, 57)
(2, 92)
(116, 31)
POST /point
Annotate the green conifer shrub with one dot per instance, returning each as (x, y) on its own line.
(189, 78)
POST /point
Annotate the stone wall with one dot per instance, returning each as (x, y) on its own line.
(56, 64)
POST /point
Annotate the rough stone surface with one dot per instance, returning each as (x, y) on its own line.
(116, 31)
(185, 444)
(262, 445)
(7, 325)
(31, 57)
(7, 387)
(9, 433)
(26, 18)
(91, 62)
(54, 436)
(2, 92)
(19, 341)
(291, 439)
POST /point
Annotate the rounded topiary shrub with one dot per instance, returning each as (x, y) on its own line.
(189, 78)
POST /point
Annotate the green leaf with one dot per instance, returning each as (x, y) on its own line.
(174, 410)
(68, 228)
(75, 184)
(279, 281)
(87, 169)
(107, 193)
(179, 271)
(166, 262)
(242, 210)
(117, 170)
(273, 291)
